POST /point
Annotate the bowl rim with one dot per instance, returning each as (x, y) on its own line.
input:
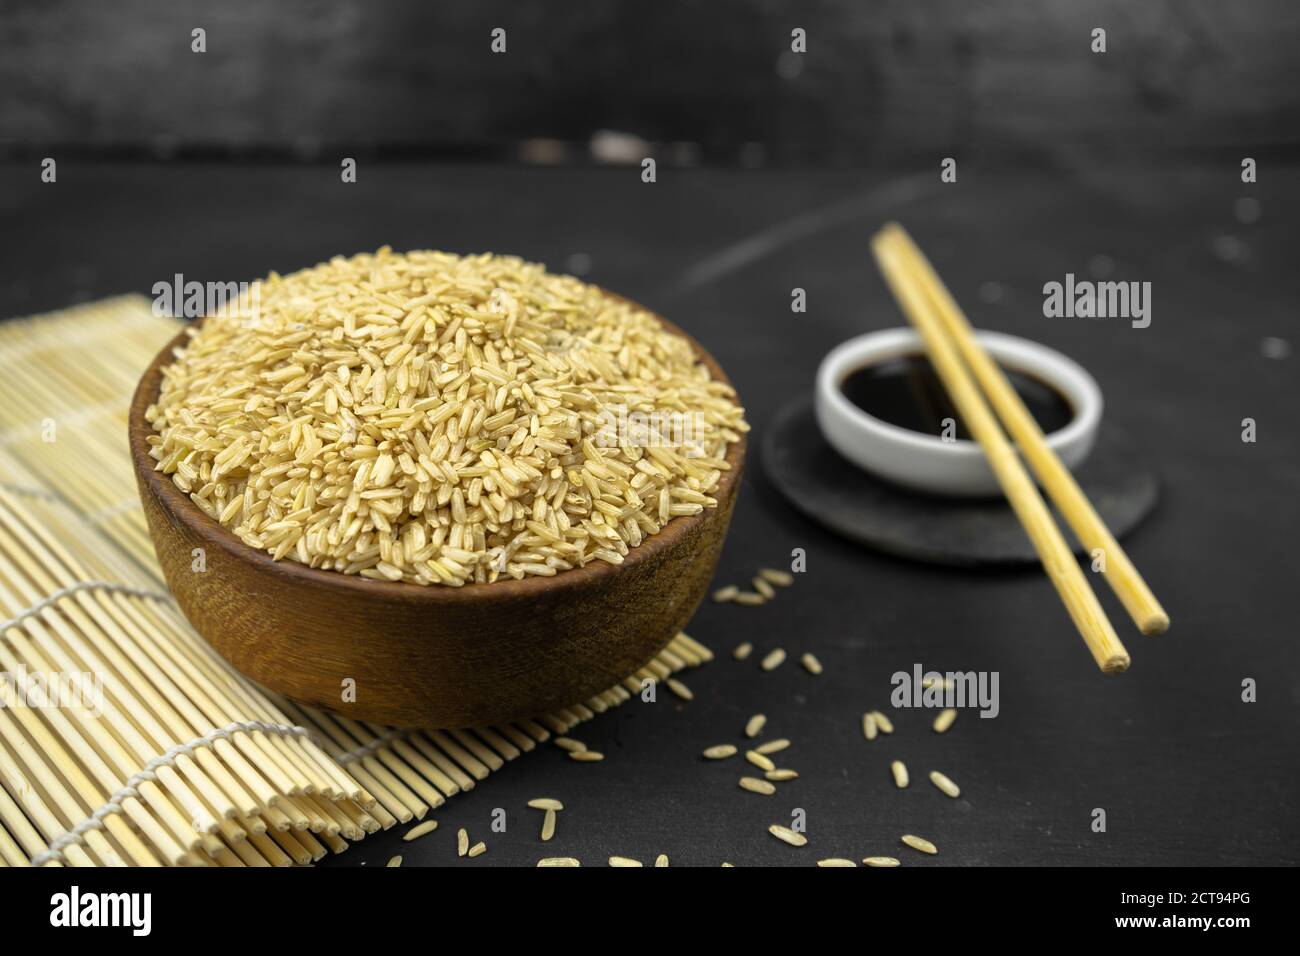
(1020, 354)
(592, 575)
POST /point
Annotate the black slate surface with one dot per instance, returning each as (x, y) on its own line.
(1186, 772)
(841, 497)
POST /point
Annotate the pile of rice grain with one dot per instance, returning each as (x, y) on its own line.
(430, 418)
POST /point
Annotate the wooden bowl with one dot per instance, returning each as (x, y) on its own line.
(428, 656)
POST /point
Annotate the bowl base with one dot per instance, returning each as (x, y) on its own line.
(837, 494)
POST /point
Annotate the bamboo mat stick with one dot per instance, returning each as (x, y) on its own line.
(93, 795)
(1052, 475)
(1055, 554)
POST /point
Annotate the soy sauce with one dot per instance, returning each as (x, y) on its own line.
(906, 392)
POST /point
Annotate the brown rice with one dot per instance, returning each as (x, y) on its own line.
(439, 419)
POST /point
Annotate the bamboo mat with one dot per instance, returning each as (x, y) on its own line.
(168, 756)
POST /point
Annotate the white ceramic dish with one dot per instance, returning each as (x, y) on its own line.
(928, 463)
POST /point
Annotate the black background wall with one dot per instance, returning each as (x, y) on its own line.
(881, 80)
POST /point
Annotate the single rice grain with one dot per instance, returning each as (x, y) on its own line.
(624, 861)
(773, 746)
(869, 729)
(742, 651)
(720, 751)
(786, 835)
(749, 599)
(759, 761)
(680, 689)
(811, 664)
(881, 861)
(835, 861)
(548, 826)
(754, 726)
(782, 578)
(944, 783)
(774, 659)
(395, 861)
(722, 595)
(545, 803)
(558, 861)
(763, 588)
(919, 843)
(780, 775)
(754, 785)
(899, 770)
(428, 826)
(586, 756)
(944, 720)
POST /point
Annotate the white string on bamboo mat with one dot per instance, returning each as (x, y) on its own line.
(31, 492)
(112, 511)
(71, 589)
(365, 750)
(150, 772)
(68, 418)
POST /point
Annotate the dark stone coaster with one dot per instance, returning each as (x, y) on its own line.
(832, 491)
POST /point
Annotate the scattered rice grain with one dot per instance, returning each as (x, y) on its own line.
(545, 803)
(899, 770)
(774, 659)
(754, 785)
(569, 744)
(786, 835)
(548, 826)
(720, 751)
(661, 859)
(759, 761)
(462, 841)
(811, 664)
(881, 861)
(884, 723)
(742, 651)
(478, 849)
(754, 726)
(749, 599)
(586, 756)
(624, 861)
(869, 729)
(782, 578)
(428, 826)
(763, 588)
(722, 595)
(781, 775)
(558, 861)
(835, 861)
(773, 746)
(919, 843)
(680, 689)
(944, 783)
(395, 861)
(944, 720)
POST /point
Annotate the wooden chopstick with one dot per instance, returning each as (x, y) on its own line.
(1052, 475)
(1080, 601)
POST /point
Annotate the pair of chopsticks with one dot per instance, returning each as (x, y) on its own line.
(965, 369)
